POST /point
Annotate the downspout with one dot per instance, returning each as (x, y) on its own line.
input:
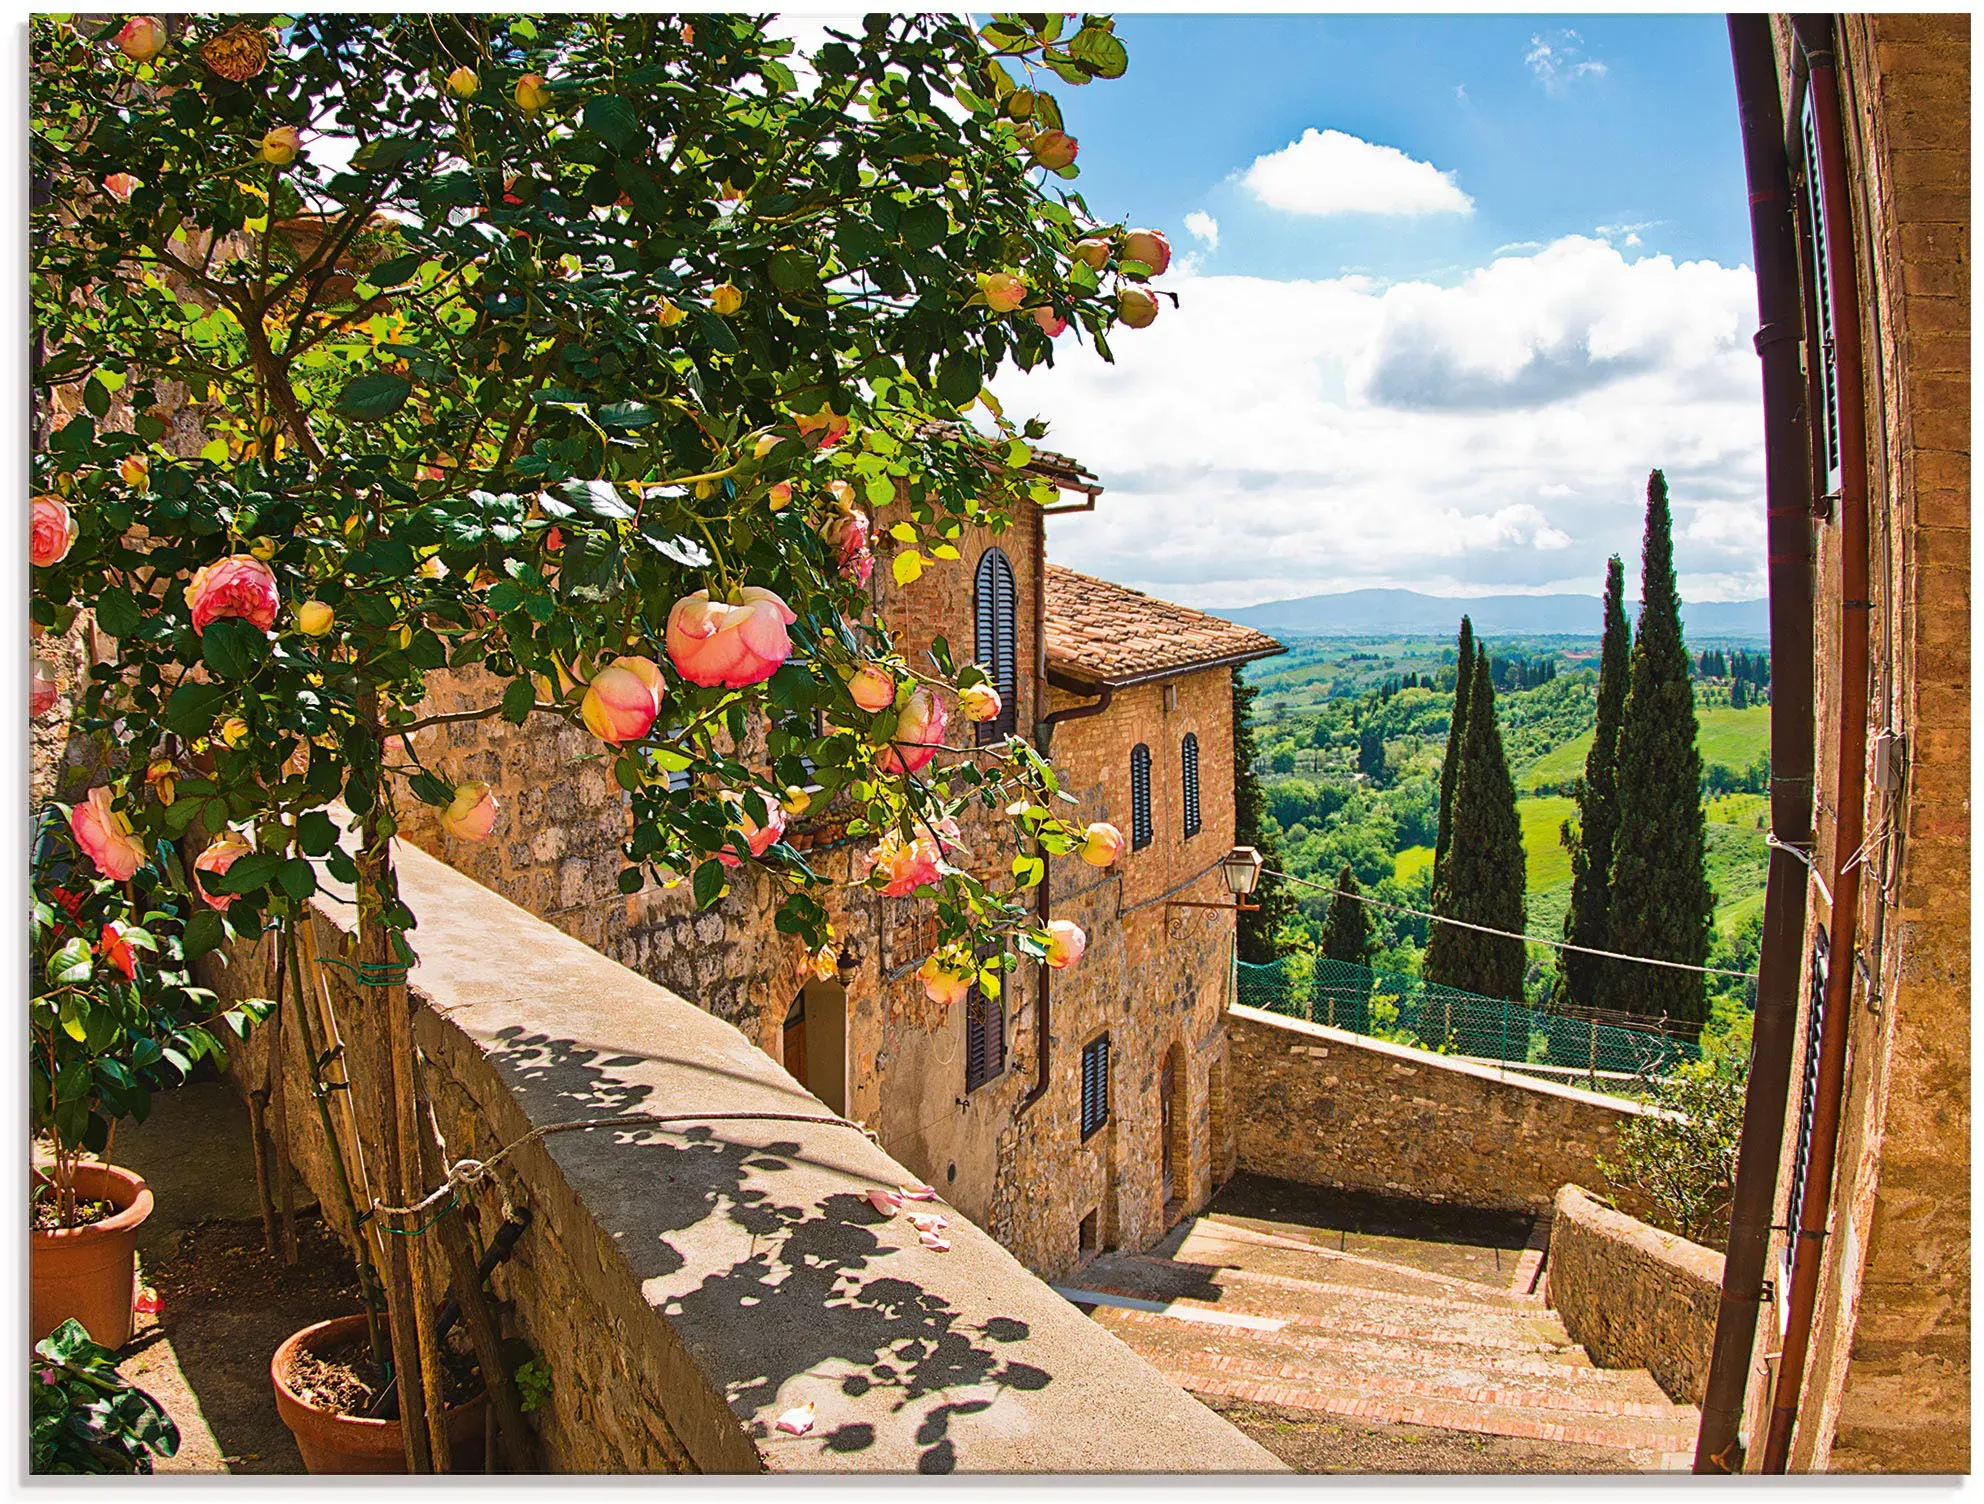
(1787, 490)
(1814, 35)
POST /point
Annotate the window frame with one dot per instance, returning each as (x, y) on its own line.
(1143, 827)
(1094, 1073)
(995, 608)
(978, 1009)
(1188, 761)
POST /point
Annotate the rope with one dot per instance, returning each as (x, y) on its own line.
(467, 1174)
(1804, 855)
(1585, 950)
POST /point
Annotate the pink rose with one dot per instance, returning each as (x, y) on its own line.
(980, 702)
(51, 531)
(859, 568)
(1003, 291)
(141, 38)
(873, 687)
(1065, 943)
(1053, 149)
(907, 865)
(759, 838)
(42, 687)
(106, 837)
(1137, 307)
(239, 586)
(1149, 247)
(1051, 323)
(227, 849)
(1103, 844)
(623, 700)
(471, 814)
(847, 534)
(919, 729)
(714, 643)
(120, 185)
(115, 949)
(943, 984)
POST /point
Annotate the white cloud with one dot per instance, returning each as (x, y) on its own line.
(1269, 439)
(1329, 172)
(1558, 60)
(1205, 227)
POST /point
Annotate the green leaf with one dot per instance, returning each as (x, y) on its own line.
(429, 789)
(793, 271)
(234, 648)
(627, 415)
(203, 933)
(70, 964)
(1104, 55)
(612, 119)
(924, 227)
(316, 832)
(378, 394)
(631, 879)
(707, 884)
(518, 698)
(505, 596)
(191, 710)
(392, 273)
(247, 874)
(958, 378)
(297, 878)
(117, 613)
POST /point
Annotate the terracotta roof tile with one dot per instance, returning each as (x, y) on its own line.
(1103, 633)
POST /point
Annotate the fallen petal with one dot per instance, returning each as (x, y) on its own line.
(798, 1420)
(933, 1242)
(919, 1193)
(888, 1203)
(148, 1302)
(928, 1221)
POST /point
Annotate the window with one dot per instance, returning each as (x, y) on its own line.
(1190, 757)
(1821, 358)
(995, 602)
(1801, 1162)
(1140, 826)
(1095, 1085)
(984, 1039)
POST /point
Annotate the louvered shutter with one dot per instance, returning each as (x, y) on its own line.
(984, 1040)
(1801, 1160)
(1190, 759)
(1095, 1086)
(1141, 829)
(995, 600)
(1818, 279)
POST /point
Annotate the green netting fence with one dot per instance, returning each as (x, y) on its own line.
(1407, 1010)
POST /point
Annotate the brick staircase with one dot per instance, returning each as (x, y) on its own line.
(1233, 1308)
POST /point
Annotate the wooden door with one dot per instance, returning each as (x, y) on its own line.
(795, 1041)
(1164, 1092)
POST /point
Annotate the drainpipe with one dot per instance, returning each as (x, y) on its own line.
(1787, 489)
(1814, 35)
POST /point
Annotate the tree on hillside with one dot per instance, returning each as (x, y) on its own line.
(1456, 733)
(1585, 923)
(1371, 754)
(1481, 880)
(1251, 827)
(1348, 936)
(1661, 903)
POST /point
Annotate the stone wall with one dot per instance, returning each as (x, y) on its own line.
(1634, 1296)
(689, 1283)
(1327, 1107)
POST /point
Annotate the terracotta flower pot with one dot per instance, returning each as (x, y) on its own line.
(333, 1443)
(90, 1273)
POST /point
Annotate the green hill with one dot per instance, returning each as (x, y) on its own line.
(1734, 738)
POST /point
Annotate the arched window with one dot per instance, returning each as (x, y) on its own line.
(995, 602)
(1190, 757)
(1140, 826)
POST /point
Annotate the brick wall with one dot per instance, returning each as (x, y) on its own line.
(1326, 1107)
(1632, 1295)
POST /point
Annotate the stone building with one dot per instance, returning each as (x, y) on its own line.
(1101, 1134)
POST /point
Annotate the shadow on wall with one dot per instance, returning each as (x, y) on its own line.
(813, 1297)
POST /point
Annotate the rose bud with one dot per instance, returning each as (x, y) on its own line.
(767, 442)
(554, 540)
(42, 687)
(115, 949)
(846, 533)
(141, 38)
(822, 429)
(315, 619)
(264, 548)
(234, 731)
(1136, 306)
(471, 814)
(237, 586)
(120, 185)
(873, 687)
(980, 702)
(51, 531)
(163, 776)
(1092, 253)
(1053, 149)
(1051, 323)
(531, 94)
(796, 802)
(464, 83)
(623, 700)
(1103, 843)
(105, 836)
(920, 726)
(718, 643)
(1065, 943)
(217, 858)
(758, 838)
(943, 984)
(136, 472)
(280, 146)
(905, 865)
(780, 496)
(1003, 291)
(668, 315)
(726, 298)
(1149, 247)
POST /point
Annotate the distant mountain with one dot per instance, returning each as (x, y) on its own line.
(1384, 613)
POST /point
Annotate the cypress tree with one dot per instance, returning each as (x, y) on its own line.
(1598, 806)
(1257, 928)
(1348, 934)
(1456, 733)
(1661, 903)
(1483, 876)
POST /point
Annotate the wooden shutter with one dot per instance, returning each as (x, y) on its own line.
(1822, 358)
(984, 1039)
(1801, 1160)
(1190, 758)
(1095, 1086)
(995, 603)
(1141, 829)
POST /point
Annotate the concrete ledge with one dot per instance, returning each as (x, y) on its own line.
(1324, 1106)
(688, 1285)
(1634, 1296)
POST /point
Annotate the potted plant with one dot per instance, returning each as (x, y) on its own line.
(85, 1417)
(113, 1016)
(326, 1384)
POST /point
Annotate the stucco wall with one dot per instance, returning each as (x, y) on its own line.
(1327, 1107)
(1632, 1295)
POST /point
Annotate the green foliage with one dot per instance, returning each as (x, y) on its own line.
(1660, 903)
(1456, 735)
(1348, 937)
(1482, 878)
(1590, 846)
(1682, 1159)
(533, 1384)
(85, 1417)
(1257, 930)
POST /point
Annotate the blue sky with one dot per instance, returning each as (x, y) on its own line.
(1456, 284)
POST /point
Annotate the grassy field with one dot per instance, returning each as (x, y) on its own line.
(1547, 862)
(1734, 738)
(1412, 861)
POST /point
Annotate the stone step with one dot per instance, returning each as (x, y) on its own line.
(1219, 1241)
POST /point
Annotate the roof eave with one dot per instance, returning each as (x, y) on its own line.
(1077, 680)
